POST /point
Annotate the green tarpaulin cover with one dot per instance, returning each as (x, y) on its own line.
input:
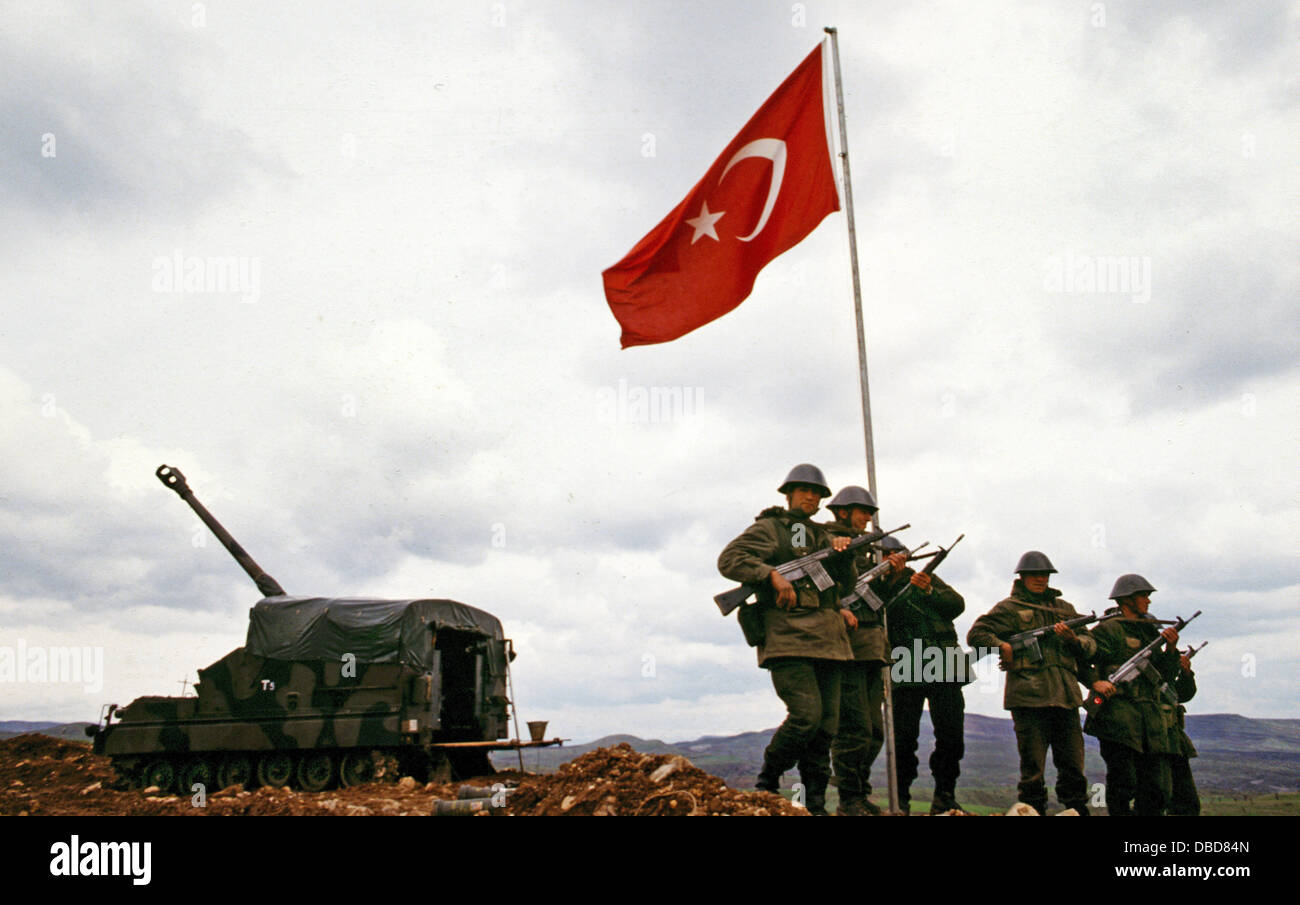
(374, 631)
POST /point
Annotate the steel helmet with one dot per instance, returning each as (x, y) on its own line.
(1127, 585)
(805, 474)
(1033, 561)
(853, 495)
(891, 544)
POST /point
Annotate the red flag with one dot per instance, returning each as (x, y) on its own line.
(765, 193)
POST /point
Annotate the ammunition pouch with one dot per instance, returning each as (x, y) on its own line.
(750, 617)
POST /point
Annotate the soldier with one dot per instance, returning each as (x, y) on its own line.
(862, 688)
(804, 639)
(938, 675)
(1135, 729)
(1042, 695)
(1185, 801)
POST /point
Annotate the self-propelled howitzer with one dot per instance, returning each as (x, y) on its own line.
(325, 690)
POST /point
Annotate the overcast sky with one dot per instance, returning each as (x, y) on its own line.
(415, 390)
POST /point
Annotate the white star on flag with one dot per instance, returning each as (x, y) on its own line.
(703, 224)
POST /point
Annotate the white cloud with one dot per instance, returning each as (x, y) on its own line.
(428, 366)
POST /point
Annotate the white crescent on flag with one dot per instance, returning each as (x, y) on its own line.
(774, 150)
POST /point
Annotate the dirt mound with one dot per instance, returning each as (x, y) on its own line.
(42, 775)
(621, 781)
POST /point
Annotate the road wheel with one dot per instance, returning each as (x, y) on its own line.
(197, 770)
(235, 770)
(357, 767)
(315, 770)
(275, 769)
(160, 773)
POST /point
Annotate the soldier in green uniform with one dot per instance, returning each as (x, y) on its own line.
(1042, 695)
(1185, 801)
(804, 637)
(862, 687)
(933, 666)
(1135, 728)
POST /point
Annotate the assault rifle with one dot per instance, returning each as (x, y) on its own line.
(1137, 665)
(907, 596)
(1166, 691)
(1028, 640)
(862, 593)
(809, 566)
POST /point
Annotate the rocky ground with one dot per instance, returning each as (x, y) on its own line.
(41, 775)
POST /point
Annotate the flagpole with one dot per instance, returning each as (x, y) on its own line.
(890, 757)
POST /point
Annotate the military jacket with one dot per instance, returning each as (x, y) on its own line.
(1053, 682)
(929, 621)
(868, 639)
(1134, 716)
(1186, 688)
(814, 628)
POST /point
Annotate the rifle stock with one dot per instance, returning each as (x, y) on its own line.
(804, 566)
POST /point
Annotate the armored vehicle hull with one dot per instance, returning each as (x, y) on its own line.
(328, 691)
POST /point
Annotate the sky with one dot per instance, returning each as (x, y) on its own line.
(409, 383)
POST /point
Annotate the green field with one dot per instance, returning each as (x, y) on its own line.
(1271, 805)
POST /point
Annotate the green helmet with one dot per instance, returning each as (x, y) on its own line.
(853, 495)
(1128, 585)
(805, 474)
(890, 544)
(1033, 561)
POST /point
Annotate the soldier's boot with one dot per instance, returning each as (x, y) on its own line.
(769, 779)
(855, 804)
(944, 800)
(814, 785)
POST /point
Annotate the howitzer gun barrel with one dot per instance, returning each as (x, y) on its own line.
(172, 477)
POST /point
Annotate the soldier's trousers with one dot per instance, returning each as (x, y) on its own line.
(1184, 802)
(1137, 783)
(810, 690)
(948, 716)
(1037, 729)
(861, 732)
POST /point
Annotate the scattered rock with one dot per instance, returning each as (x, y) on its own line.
(1068, 812)
(663, 772)
(90, 788)
(622, 781)
(407, 783)
(1020, 809)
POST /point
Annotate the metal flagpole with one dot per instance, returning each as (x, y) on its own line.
(866, 394)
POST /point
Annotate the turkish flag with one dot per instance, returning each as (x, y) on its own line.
(768, 190)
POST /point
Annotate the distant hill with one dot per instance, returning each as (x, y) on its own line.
(1236, 755)
(74, 732)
